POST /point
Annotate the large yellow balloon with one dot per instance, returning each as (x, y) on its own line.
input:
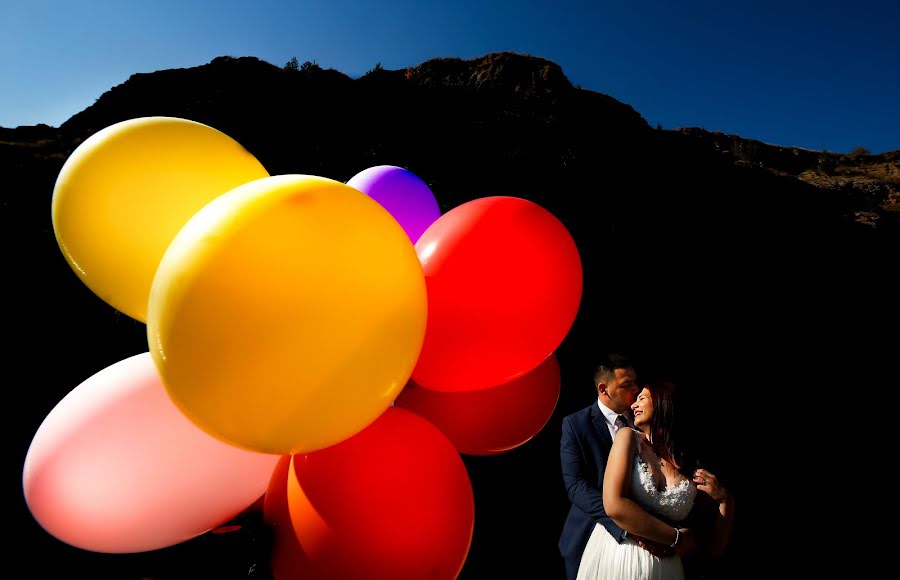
(125, 192)
(287, 314)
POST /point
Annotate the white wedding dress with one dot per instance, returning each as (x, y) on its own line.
(604, 558)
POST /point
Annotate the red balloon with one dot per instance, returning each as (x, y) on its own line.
(393, 501)
(287, 553)
(504, 284)
(493, 420)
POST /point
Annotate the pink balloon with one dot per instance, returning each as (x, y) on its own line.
(116, 467)
(402, 193)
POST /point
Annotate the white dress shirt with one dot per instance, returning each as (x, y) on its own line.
(610, 416)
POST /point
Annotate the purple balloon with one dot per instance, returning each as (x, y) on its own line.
(404, 195)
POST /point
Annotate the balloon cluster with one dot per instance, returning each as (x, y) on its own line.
(333, 347)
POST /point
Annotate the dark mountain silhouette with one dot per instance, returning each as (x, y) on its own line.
(756, 276)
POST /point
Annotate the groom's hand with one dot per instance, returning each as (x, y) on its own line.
(655, 548)
(687, 542)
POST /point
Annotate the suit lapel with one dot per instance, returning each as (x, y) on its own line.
(599, 422)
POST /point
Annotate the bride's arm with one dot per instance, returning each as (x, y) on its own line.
(622, 509)
(723, 521)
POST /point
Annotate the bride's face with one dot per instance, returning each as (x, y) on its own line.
(643, 408)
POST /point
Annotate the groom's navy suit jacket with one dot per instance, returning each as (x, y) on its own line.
(584, 449)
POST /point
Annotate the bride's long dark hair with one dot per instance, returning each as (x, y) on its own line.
(664, 425)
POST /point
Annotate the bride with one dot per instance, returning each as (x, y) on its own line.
(644, 483)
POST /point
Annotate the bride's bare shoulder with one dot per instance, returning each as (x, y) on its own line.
(629, 438)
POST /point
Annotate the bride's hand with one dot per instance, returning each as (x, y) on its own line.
(709, 484)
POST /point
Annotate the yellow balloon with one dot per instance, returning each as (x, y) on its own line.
(124, 193)
(287, 314)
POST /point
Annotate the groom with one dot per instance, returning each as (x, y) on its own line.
(587, 437)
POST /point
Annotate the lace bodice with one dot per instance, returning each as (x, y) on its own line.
(673, 503)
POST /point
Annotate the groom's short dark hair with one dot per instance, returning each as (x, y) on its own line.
(606, 370)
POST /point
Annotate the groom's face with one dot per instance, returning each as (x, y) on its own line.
(621, 390)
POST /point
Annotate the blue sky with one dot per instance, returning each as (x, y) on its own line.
(817, 74)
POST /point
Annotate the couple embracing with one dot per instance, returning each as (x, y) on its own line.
(637, 506)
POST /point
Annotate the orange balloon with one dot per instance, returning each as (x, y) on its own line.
(493, 420)
(504, 284)
(392, 502)
(125, 192)
(287, 314)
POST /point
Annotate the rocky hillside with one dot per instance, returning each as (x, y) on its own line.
(757, 275)
(870, 183)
